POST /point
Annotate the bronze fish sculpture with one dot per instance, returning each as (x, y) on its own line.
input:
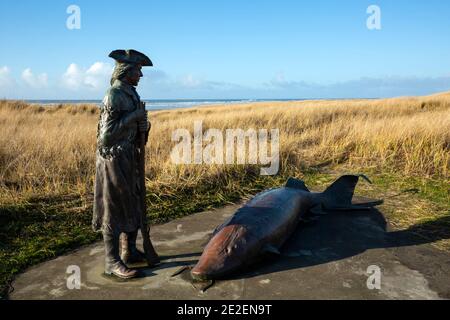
(265, 222)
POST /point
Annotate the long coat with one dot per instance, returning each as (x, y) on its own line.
(117, 203)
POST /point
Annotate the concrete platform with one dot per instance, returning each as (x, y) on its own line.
(325, 259)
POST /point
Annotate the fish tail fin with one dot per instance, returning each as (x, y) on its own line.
(340, 193)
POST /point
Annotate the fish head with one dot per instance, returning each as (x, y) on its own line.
(226, 252)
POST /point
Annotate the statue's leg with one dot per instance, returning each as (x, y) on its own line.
(130, 253)
(113, 265)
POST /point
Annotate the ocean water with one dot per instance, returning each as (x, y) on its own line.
(176, 104)
(163, 104)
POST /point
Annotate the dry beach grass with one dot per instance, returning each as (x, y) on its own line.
(47, 163)
(52, 149)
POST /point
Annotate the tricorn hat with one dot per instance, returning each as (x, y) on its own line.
(131, 57)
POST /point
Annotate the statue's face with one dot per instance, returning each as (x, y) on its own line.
(134, 75)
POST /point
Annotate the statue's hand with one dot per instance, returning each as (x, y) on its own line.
(135, 116)
(140, 115)
(144, 126)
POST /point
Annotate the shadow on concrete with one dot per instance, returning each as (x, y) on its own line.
(178, 256)
(167, 261)
(341, 235)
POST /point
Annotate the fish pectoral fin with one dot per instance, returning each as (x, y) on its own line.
(181, 270)
(309, 220)
(363, 206)
(270, 249)
(351, 208)
(368, 203)
(202, 286)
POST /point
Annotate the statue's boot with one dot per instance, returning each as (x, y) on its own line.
(131, 254)
(113, 265)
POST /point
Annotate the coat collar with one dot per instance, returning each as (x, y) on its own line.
(129, 89)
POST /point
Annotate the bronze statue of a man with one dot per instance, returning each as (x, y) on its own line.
(117, 194)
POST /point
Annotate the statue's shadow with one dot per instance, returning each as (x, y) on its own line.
(340, 235)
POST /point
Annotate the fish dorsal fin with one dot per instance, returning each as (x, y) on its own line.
(296, 184)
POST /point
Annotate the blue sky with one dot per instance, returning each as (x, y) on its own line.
(227, 49)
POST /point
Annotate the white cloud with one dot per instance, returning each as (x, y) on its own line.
(95, 77)
(35, 81)
(187, 82)
(157, 75)
(190, 82)
(98, 74)
(6, 80)
(73, 77)
(90, 82)
(279, 81)
(365, 87)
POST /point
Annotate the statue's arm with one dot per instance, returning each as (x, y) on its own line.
(118, 118)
